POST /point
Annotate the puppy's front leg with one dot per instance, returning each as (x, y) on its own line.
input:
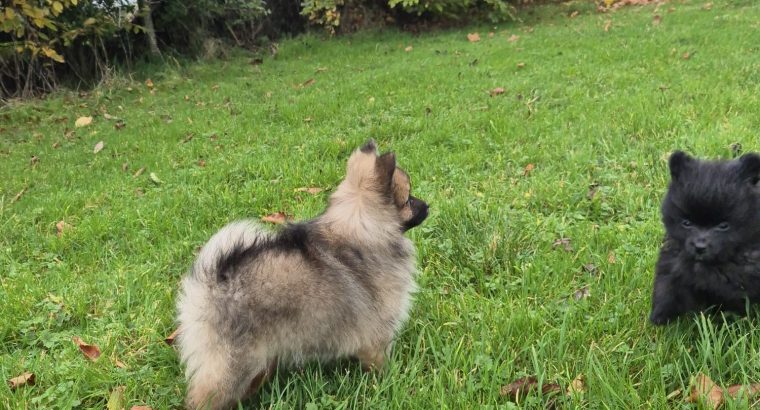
(373, 357)
(668, 299)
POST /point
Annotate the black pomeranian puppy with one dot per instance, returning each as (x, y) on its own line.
(711, 252)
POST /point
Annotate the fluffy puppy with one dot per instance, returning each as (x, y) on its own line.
(335, 286)
(711, 252)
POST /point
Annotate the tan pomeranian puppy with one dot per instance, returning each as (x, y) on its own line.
(338, 285)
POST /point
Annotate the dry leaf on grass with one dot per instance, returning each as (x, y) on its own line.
(83, 122)
(577, 386)
(310, 190)
(92, 352)
(705, 390)
(116, 399)
(118, 363)
(473, 37)
(528, 169)
(686, 55)
(141, 408)
(170, 339)
(409, 48)
(656, 20)
(19, 195)
(25, 379)
(154, 179)
(60, 227)
(582, 293)
(149, 83)
(707, 6)
(98, 147)
(607, 25)
(497, 91)
(565, 243)
(574, 14)
(523, 386)
(308, 82)
(275, 218)
(611, 258)
(138, 172)
(739, 390)
(513, 38)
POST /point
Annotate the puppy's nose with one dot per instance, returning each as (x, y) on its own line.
(700, 246)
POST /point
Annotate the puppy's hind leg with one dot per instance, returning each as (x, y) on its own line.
(373, 357)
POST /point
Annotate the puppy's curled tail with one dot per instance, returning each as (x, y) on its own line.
(206, 355)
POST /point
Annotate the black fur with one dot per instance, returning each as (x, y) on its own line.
(292, 238)
(711, 253)
(419, 213)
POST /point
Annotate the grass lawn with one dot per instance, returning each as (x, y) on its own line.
(574, 149)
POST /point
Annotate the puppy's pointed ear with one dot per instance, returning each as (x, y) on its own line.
(369, 147)
(385, 166)
(679, 162)
(749, 168)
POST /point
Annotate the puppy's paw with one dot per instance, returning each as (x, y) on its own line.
(659, 318)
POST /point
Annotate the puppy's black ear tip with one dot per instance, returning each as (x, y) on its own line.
(369, 147)
(678, 161)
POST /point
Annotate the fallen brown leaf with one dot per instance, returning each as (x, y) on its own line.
(575, 14)
(201, 163)
(141, 408)
(170, 339)
(83, 122)
(582, 293)
(60, 227)
(607, 25)
(491, 34)
(577, 386)
(98, 147)
(520, 65)
(34, 160)
(686, 55)
(25, 379)
(118, 363)
(592, 189)
(528, 169)
(707, 6)
(116, 399)
(611, 258)
(565, 243)
(591, 269)
(92, 352)
(308, 82)
(497, 91)
(310, 190)
(275, 218)
(739, 390)
(705, 390)
(656, 20)
(408, 48)
(513, 38)
(149, 83)
(119, 124)
(56, 144)
(473, 37)
(138, 172)
(523, 386)
(19, 194)
(109, 116)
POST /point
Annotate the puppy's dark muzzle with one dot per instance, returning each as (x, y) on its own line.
(419, 213)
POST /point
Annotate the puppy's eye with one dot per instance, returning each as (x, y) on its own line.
(723, 226)
(686, 223)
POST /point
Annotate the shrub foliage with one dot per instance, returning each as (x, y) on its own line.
(43, 42)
